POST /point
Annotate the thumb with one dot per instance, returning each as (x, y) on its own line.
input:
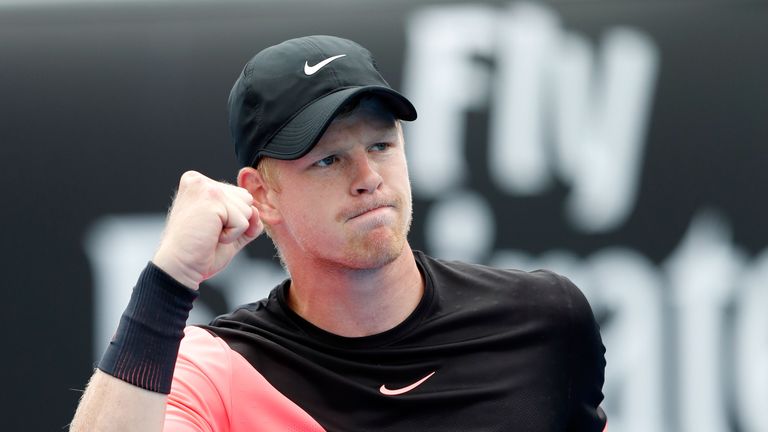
(255, 228)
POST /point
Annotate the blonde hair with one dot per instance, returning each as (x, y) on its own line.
(269, 172)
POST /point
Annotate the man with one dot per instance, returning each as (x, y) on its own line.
(366, 334)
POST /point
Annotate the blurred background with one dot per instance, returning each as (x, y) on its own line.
(621, 143)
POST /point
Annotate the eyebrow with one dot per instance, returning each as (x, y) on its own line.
(386, 128)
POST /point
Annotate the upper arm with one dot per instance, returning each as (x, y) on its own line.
(587, 364)
(111, 404)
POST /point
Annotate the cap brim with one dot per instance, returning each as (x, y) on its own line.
(301, 133)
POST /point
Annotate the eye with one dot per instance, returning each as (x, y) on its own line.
(326, 161)
(379, 147)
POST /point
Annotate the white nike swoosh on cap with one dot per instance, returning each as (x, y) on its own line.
(311, 70)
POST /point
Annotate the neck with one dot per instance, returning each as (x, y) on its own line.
(355, 303)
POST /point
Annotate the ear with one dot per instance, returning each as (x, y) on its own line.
(251, 180)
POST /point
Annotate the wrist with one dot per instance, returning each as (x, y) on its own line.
(144, 348)
(175, 269)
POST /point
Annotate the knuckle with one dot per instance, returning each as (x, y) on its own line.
(190, 176)
(213, 190)
(245, 194)
(190, 179)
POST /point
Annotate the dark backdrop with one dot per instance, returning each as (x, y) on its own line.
(103, 106)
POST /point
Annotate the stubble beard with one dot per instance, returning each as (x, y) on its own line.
(367, 250)
(366, 253)
(382, 246)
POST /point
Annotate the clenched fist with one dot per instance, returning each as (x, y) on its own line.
(207, 225)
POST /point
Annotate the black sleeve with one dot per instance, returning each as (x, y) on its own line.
(587, 365)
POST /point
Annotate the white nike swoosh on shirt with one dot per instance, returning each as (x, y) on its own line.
(311, 70)
(384, 390)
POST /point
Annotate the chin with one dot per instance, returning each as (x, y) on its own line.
(374, 253)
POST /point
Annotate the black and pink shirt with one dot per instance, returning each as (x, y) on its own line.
(485, 350)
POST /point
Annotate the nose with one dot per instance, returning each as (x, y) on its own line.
(366, 178)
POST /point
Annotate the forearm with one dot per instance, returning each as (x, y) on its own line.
(110, 405)
(208, 224)
(129, 389)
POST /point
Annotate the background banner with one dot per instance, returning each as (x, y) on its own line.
(620, 143)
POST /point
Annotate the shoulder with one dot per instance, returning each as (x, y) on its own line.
(461, 271)
(199, 398)
(542, 285)
(198, 341)
(216, 388)
(543, 297)
(201, 354)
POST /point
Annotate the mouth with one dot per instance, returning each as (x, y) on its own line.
(369, 210)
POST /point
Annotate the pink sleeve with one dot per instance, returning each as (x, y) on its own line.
(200, 395)
(215, 389)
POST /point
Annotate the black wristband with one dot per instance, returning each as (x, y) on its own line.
(144, 349)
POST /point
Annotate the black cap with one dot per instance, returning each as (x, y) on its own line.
(288, 94)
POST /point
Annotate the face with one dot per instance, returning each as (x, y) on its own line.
(348, 202)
